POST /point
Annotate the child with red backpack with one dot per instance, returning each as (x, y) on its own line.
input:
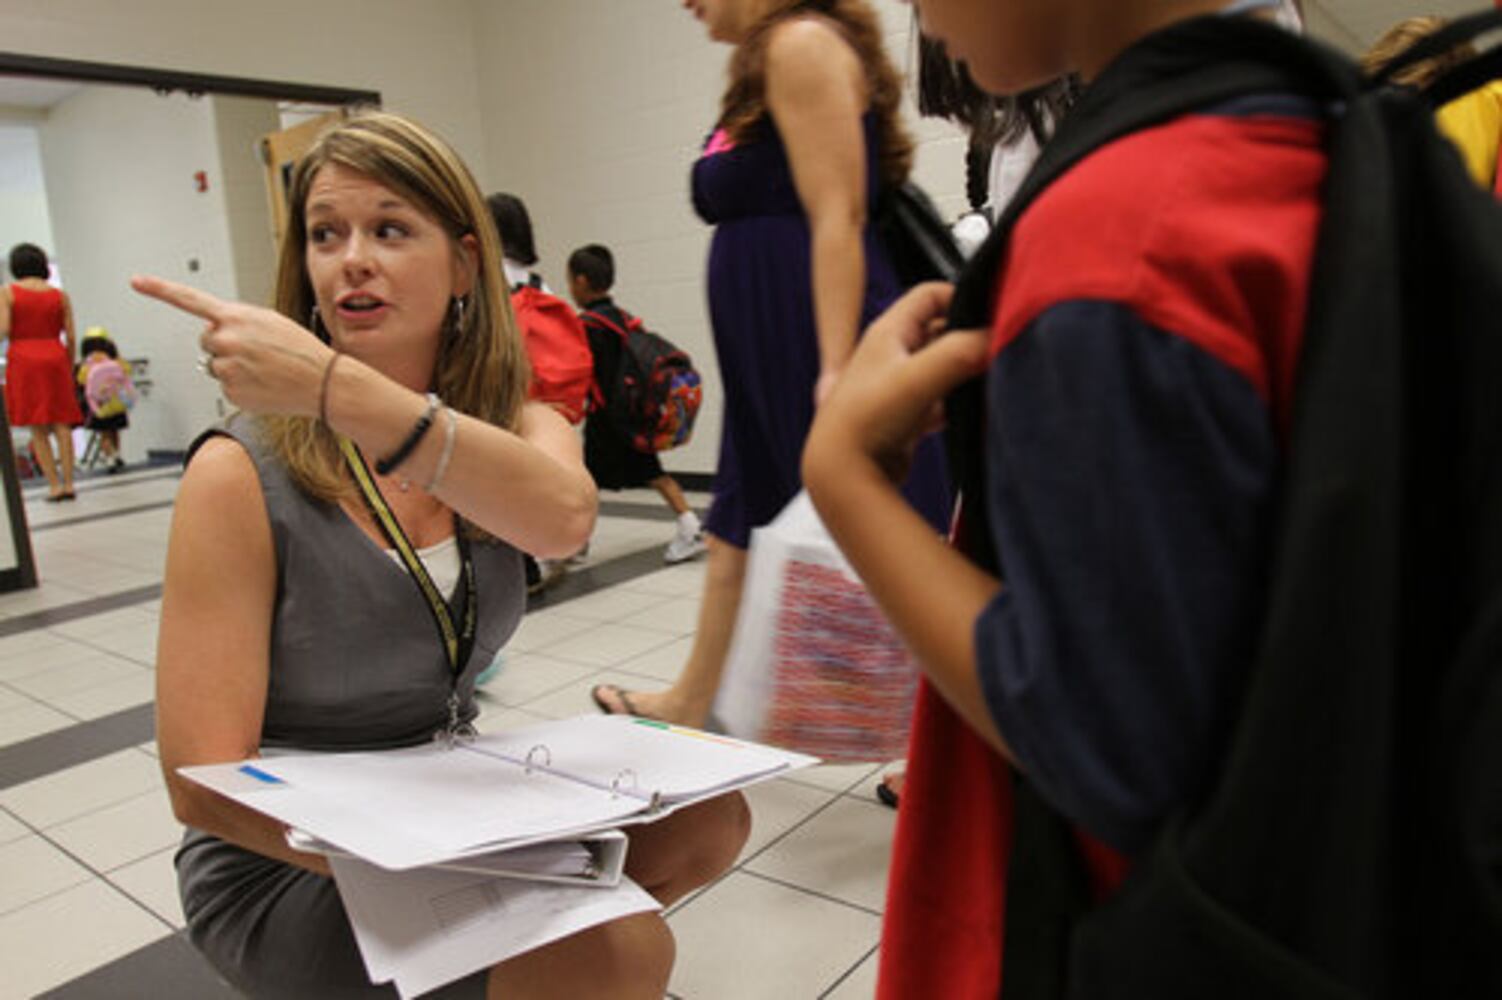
(562, 366)
(609, 454)
(557, 348)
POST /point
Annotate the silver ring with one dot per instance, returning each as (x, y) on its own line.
(205, 365)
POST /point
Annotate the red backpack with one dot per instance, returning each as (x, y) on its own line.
(562, 365)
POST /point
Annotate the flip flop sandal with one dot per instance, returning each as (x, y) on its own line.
(621, 696)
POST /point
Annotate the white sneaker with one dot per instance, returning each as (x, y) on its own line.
(684, 547)
(579, 558)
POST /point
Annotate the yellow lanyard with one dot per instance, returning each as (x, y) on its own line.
(458, 643)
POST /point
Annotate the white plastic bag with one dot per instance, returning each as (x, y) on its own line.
(814, 666)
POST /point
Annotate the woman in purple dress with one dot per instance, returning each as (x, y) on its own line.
(808, 134)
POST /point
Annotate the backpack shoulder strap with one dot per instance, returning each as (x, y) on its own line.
(599, 319)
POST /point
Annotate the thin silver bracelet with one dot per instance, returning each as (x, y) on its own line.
(447, 453)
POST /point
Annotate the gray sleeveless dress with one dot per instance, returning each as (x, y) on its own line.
(356, 664)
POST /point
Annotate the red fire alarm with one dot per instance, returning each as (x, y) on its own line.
(201, 181)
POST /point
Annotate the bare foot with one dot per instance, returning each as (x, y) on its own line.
(661, 705)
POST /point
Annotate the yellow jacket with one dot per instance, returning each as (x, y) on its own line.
(1474, 124)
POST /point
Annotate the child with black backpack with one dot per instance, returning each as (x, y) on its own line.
(608, 451)
(1211, 699)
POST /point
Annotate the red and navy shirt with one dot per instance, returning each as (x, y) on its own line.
(1145, 342)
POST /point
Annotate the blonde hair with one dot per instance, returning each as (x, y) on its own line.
(744, 105)
(481, 369)
(1403, 36)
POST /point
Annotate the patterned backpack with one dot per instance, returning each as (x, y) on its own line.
(654, 394)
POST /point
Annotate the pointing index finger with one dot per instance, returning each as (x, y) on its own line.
(184, 297)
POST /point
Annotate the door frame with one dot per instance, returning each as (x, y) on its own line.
(169, 80)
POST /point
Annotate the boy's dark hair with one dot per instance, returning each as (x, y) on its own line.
(515, 227)
(596, 264)
(105, 344)
(27, 260)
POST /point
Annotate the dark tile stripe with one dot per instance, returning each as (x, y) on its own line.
(65, 748)
(581, 581)
(63, 613)
(168, 969)
(636, 511)
(99, 482)
(101, 516)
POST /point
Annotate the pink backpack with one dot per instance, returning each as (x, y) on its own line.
(109, 389)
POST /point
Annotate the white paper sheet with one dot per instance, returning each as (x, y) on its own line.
(421, 929)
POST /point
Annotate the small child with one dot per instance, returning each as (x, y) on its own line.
(608, 453)
(109, 393)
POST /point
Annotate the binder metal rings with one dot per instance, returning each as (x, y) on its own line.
(619, 784)
(539, 751)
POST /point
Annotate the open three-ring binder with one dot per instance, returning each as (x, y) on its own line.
(438, 805)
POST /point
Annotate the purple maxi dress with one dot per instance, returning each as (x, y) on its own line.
(761, 307)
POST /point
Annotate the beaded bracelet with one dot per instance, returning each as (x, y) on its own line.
(385, 466)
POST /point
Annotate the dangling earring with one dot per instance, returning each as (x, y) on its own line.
(458, 314)
(315, 323)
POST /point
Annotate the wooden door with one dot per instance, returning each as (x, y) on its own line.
(280, 152)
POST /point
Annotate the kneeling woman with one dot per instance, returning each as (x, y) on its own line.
(289, 621)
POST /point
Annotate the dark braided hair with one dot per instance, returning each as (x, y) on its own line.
(946, 90)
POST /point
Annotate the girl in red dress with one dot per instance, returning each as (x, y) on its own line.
(38, 319)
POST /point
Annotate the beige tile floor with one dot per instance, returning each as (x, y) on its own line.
(86, 882)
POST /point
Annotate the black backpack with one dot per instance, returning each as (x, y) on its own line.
(654, 393)
(917, 240)
(1351, 845)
